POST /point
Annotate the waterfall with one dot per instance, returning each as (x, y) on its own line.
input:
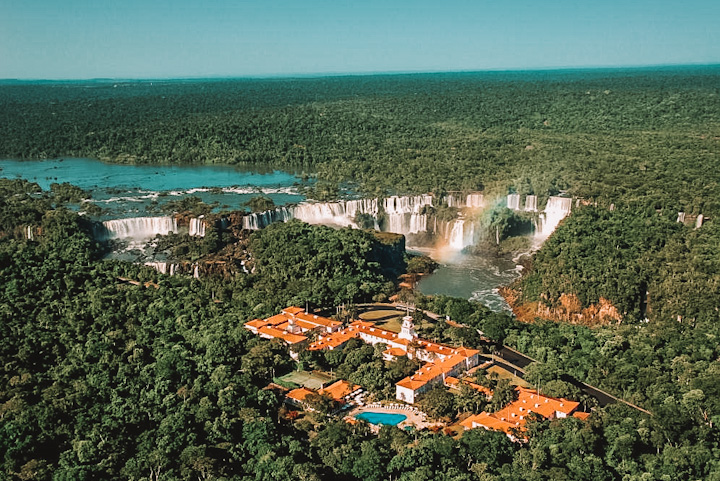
(475, 201)
(681, 217)
(395, 223)
(462, 234)
(402, 216)
(170, 268)
(531, 203)
(468, 234)
(137, 228)
(406, 205)
(322, 213)
(513, 201)
(699, 221)
(557, 209)
(361, 206)
(196, 271)
(453, 201)
(197, 227)
(259, 220)
(403, 213)
(456, 235)
(418, 223)
(29, 233)
(161, 267)
(340, 213)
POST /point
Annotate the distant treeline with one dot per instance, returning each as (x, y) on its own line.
(607, 135)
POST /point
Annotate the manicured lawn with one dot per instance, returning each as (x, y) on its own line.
(503, 374)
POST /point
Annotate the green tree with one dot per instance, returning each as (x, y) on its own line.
(260, 203)
(438, 402)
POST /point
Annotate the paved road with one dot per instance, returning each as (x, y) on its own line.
(512, 356)
(518, 359)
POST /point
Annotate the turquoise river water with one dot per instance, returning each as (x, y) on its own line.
(137, 190)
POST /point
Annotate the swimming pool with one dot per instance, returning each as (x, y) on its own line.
(388, 419)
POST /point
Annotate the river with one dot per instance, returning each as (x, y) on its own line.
(125, 190)
(469, 276)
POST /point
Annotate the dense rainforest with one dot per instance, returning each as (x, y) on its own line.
(650, 266)
(105, 379)
(102, 378)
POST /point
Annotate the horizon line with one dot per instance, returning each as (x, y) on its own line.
(270, 76)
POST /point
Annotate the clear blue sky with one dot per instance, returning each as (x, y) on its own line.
(59, 39)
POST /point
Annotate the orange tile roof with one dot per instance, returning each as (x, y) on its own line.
(478, 387)
(279, 324)
(514, 414)
(285, 336)
(317, 320)
(448, 358)
(422, 376)
(543, 405)
(339, 389)
(292, 310)
(452, 381)
(308, 326)
(395, 351)
(358, 324)
(276, 319)
(411, 383)
(456, 383)
(434, 347)
(464, 351)
(299, 394)
(371, 330)
(444, 351)
(451, 361)
(581, 415)
(331, 341)
(256, 323)
(356, 329)
(489, 421)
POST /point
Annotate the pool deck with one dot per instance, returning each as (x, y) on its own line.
(415, 417)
